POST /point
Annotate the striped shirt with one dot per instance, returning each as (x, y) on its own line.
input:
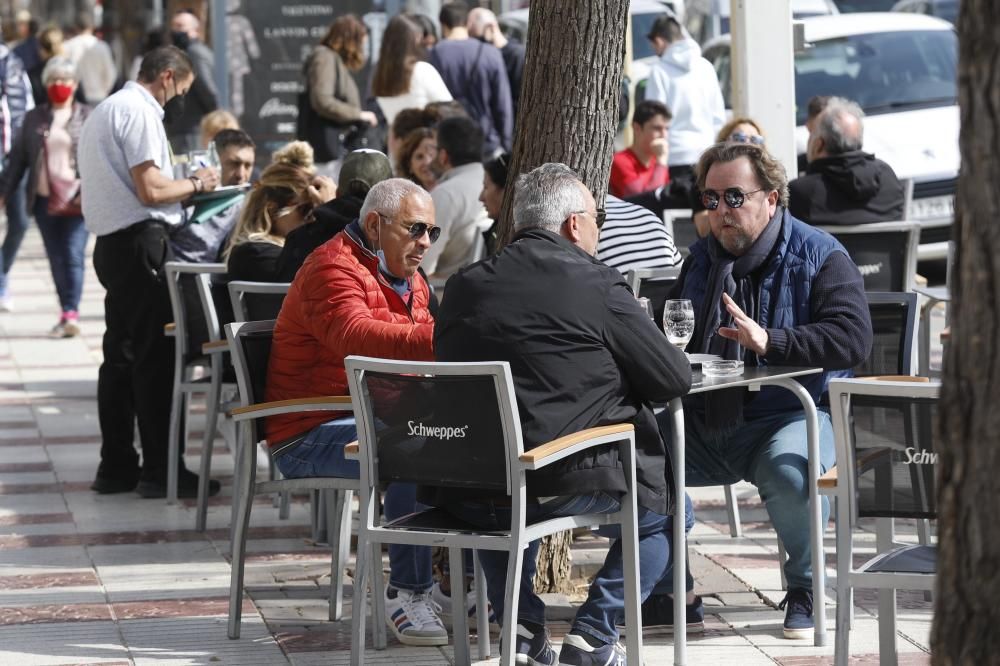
(633, 237)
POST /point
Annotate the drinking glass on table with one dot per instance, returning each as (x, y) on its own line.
(646, 305)
(678, 321)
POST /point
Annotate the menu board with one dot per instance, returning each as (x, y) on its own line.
(267, 44)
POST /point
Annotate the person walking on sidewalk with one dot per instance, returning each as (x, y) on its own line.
(130, 200)
(46, 150)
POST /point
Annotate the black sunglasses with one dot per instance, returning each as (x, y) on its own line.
(734, 197)
(743, 137)
(418, 229)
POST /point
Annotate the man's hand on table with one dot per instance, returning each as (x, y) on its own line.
(747, 332)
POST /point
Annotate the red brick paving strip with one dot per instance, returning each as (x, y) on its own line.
(16, 468)
(35, 519)
(15, 541)
(905, 659)
(42, 581)
(127, 610)
(44, 613)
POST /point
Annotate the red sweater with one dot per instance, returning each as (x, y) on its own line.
(339, 304)
(629, 176)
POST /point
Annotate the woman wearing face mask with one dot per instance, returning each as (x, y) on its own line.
(281, 201)
(46, 148)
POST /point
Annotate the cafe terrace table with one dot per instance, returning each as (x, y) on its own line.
(753, 379)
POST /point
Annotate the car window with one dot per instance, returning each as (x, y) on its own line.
(883, 72)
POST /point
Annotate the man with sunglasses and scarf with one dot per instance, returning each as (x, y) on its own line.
(767, 289)
(359, 293)
(583, 353)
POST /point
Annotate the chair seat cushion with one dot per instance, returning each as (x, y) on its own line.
(908, 559)
(438, 520)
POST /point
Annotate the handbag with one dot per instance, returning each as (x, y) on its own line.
(64, 193)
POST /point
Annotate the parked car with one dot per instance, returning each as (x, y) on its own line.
(642, 13)
(901, 69)
(707, 19)
(945, 9)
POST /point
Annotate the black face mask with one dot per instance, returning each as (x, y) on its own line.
(180, 39)
(174, 108)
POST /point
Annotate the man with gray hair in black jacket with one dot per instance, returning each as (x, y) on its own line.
(583, 353)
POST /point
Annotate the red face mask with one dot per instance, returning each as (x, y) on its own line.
(60, 92)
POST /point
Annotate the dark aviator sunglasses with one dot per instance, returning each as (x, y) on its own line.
(418, 229)
(734, 197)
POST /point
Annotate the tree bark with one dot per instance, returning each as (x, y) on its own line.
(966, 611)
(568, 113)
(569, 96)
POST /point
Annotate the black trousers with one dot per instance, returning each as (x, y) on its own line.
(135, 382)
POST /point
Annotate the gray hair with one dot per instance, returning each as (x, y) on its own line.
(841, 126)
(546, 196)
(387, 196)
(58, 67)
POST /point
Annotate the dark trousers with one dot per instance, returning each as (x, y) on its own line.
(135, 382)
(17, 226)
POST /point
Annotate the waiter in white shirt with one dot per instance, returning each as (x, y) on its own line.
(130, 202)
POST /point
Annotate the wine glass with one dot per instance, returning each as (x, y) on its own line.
(678, 321)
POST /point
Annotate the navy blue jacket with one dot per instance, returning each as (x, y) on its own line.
(477, 78)
(812, 303)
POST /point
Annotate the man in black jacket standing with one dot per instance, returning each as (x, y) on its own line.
(583, 353)
(843, 184)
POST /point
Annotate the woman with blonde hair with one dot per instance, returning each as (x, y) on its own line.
(282, 200)
(741, 130)
(402, 79)
(215, 122)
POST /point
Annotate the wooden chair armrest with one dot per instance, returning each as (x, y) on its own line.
(900, 378)
(539, 454)
(318, 403)
(170, 329)
(829, 480)
(215, 346)
(946, 334)
(352, 450)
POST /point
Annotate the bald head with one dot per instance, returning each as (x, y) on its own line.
(839, 129)
(186, 22)
(482, 24)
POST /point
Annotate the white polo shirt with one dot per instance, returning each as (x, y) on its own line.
(124, 131)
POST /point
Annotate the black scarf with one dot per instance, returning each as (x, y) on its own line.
(734, 276)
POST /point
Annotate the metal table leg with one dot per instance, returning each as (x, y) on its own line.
(680, 537)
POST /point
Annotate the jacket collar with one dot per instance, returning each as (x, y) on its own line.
(551, 237)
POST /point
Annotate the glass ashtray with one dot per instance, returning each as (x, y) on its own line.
(722, 368)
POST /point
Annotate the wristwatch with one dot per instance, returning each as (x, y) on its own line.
(196, 181)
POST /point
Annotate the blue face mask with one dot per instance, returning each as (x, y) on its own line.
(383, 266)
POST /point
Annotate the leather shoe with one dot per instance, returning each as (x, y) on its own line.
(110, 485)
(187, 486)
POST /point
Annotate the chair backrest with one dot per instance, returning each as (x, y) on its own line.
(250, 346)
(894, 319)
(885, 252)
(884, 434)
(446, 425)
(680, 224)
(655, 284)
(195, 318)
(257, 301)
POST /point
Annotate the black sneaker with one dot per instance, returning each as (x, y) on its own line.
(187, 486)
(533, 648)
(576, 651)
(798, 607)
(658, 616)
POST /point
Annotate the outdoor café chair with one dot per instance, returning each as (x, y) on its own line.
(456, 425)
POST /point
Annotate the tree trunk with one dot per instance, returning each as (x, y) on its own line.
(568, 113)
(966, 612)
(569, 96)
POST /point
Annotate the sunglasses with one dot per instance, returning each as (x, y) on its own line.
(418, 229)
(734, 197)
(599, 217)
(743, 137)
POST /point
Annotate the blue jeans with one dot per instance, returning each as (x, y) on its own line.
(771, 453)
(65, 241)
(321, 453)
(17, 226)
(606, 602)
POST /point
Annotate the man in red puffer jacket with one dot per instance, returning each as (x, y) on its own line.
(359, 293)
